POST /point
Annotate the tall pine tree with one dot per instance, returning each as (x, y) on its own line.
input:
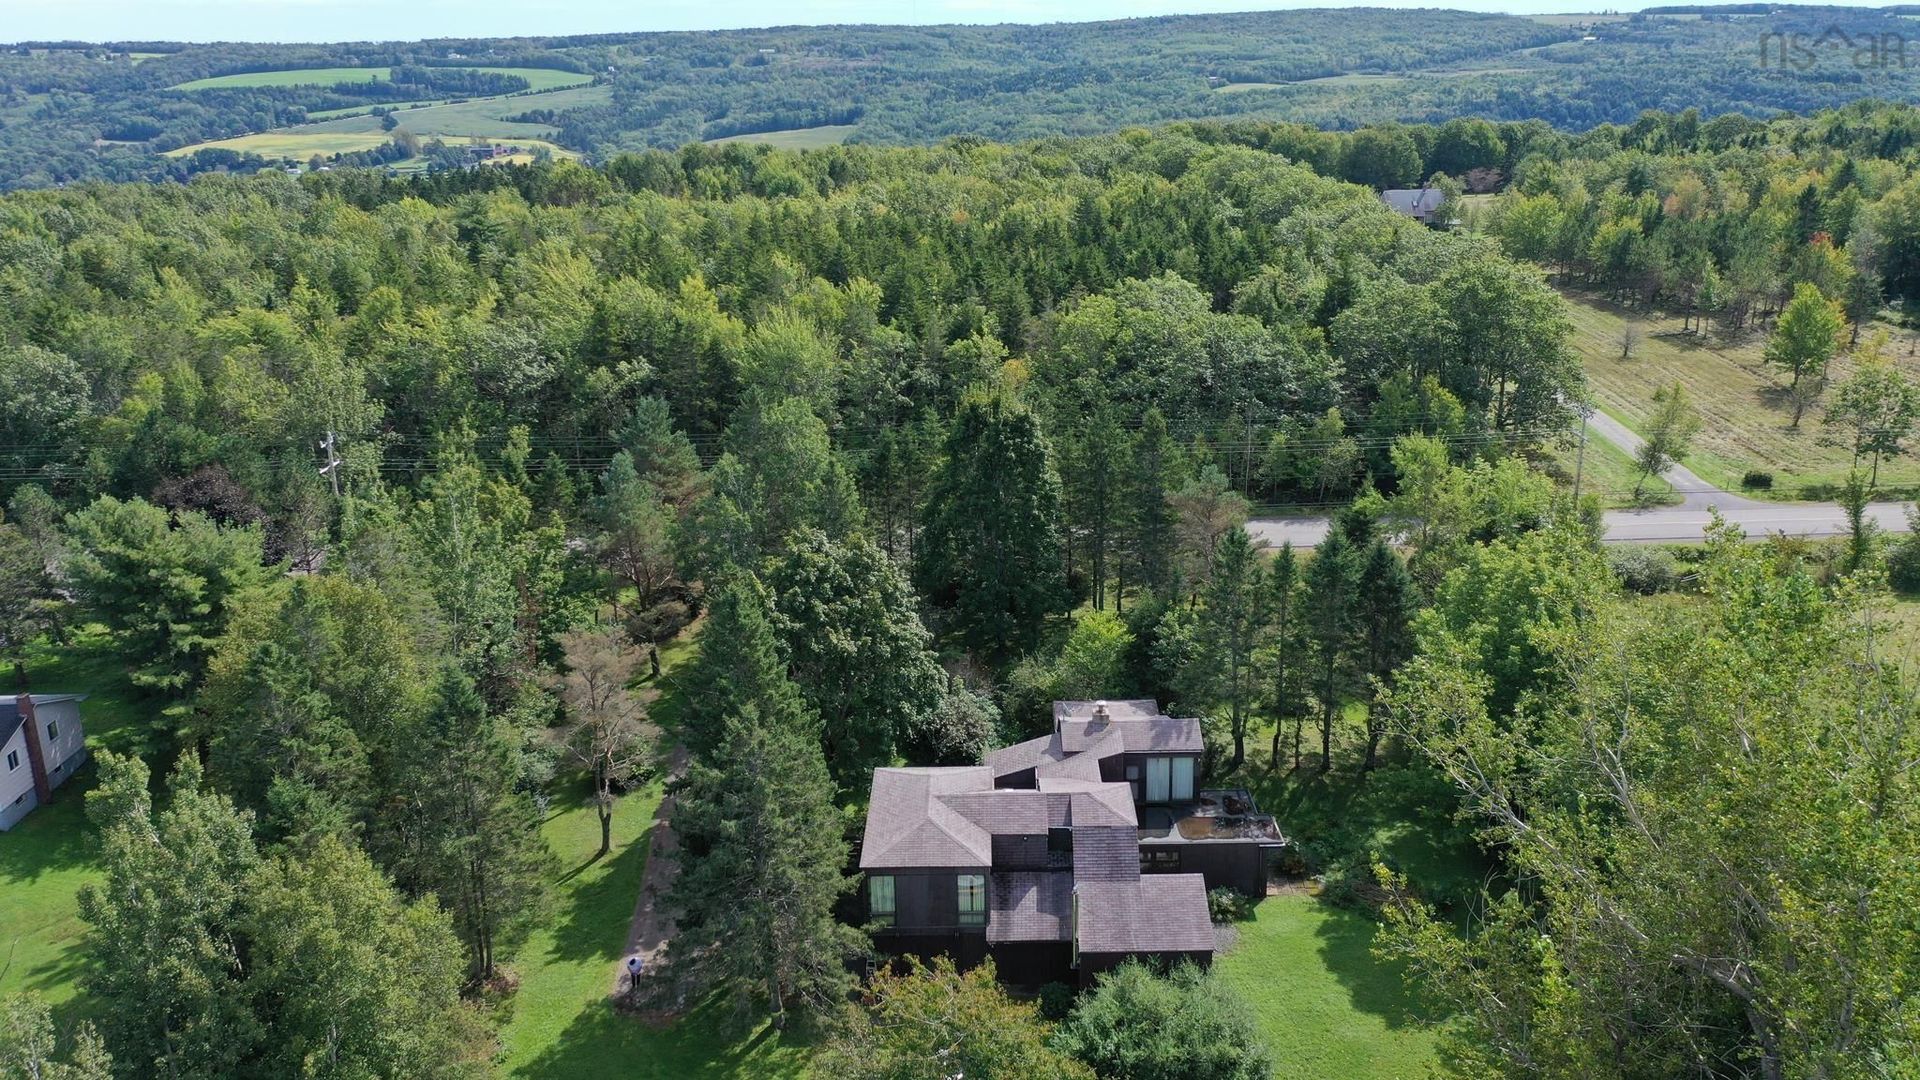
(1332, 580)
(1287, 650)
(761, 839)
(1147, 536)
(1229, 632)
(465, 832)
(990, 554)
(1384, 609)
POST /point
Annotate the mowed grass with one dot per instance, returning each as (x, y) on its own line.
(811, 138)
(1748, 422)
(1328, 1010)
(297, 144)
(537, 78)
(562, 1022)
(49, 855)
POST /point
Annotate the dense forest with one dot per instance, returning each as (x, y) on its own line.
(385, 491)
(75, 111)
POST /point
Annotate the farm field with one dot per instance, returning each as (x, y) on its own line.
(293, 144)
(538, 78)
(1748, 424)
(1329, 1011)
(794, 138)
(346, 131)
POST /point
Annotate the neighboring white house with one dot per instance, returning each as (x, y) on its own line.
(41, 744)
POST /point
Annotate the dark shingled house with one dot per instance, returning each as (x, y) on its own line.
(1063, 855)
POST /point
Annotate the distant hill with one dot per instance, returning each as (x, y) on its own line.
(72, 111)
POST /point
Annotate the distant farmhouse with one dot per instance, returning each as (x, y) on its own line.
(1420, 204)
(1064, 855)
(41, 744)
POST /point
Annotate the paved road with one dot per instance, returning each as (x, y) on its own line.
(1687, 521)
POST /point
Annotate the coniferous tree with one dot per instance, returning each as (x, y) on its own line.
(990, 554)
(464, 831)
(1332, 579)
(1148, 539)
(1229, 632)
(1385, 605)
(754, 898)
(163, 583)
(1095, 475)
(738, 669)
(1287, 650)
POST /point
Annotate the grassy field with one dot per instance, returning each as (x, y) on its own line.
(537, 78)
(47, 857)
(811, 138)
(1748, 424)
(1328, 1009)
(1608, 473)
(1243, 87)
(297, 144)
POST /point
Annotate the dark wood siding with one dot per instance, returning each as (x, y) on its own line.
(1018, 852)
(924, 899)
(1224, 865)
(1033, 963)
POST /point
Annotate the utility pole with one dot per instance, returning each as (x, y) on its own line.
(1580, 458)
(331, 470)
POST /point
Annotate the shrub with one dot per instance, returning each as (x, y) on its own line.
(1645, 570)
(1903, 559)
(1228, 905)
(1056, 1001)
(1757, 479)
(1186, 1024)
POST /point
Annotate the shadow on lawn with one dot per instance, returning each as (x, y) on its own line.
(594, 923)
(55, 837)
(710, 1041)
(1346, 942)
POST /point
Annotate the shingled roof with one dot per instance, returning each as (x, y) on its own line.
(1157, 913)
(958, 819)
(909, 825)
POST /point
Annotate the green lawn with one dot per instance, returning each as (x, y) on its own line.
(47, 857)
(538, 78)
(1328, 1009)
(1607, 473)
(562, 1023)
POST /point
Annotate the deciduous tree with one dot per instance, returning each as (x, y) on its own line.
(606, 732)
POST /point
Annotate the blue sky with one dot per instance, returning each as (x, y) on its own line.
(390, 20)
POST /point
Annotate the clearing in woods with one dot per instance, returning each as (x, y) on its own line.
(1748, 420)
(811, 138)
(538, 78)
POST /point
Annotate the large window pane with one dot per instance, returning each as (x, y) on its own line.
(880, 902)
(1159, 775)
(973, 900)
(1182, 778)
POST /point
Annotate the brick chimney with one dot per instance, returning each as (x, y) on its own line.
(36, 755)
